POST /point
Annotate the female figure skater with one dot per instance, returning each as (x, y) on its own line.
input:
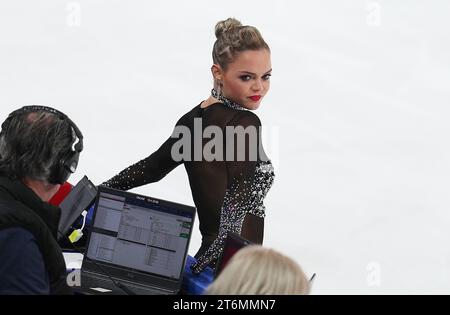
(228, 190)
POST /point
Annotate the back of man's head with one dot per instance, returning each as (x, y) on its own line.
(32, 143)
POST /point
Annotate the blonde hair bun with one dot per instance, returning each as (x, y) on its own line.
(233, 38)
(226, 25)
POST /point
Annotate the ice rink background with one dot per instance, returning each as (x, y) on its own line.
(356, 121)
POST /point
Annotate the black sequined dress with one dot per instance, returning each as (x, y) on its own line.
(228, 193)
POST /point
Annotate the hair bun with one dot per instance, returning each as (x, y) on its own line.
(226, 25)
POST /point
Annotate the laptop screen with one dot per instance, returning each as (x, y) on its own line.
(138, 233)
(81, 196)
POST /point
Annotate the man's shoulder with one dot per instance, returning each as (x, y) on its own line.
(10, 204)
(17, 235)
(15, 213)
(22, 268)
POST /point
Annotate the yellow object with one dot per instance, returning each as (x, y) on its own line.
(75, 235)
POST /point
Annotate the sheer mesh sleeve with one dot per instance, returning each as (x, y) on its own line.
(148, 170)
(249, 182)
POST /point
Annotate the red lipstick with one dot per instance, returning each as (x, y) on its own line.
(255, 98)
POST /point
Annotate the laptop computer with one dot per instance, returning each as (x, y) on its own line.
(80, 198)
(233, 243)
(136, 244)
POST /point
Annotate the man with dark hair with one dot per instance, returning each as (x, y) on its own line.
(39, 149)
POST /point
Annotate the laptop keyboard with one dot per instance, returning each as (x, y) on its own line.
(90, 281)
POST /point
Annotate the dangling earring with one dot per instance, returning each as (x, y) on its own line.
(219, 89)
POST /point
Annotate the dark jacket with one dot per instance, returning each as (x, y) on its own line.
(22, 211)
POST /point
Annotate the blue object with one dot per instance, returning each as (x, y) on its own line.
(90, 215)
(196, 284)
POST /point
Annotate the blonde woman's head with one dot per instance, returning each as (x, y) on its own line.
(257, 270)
